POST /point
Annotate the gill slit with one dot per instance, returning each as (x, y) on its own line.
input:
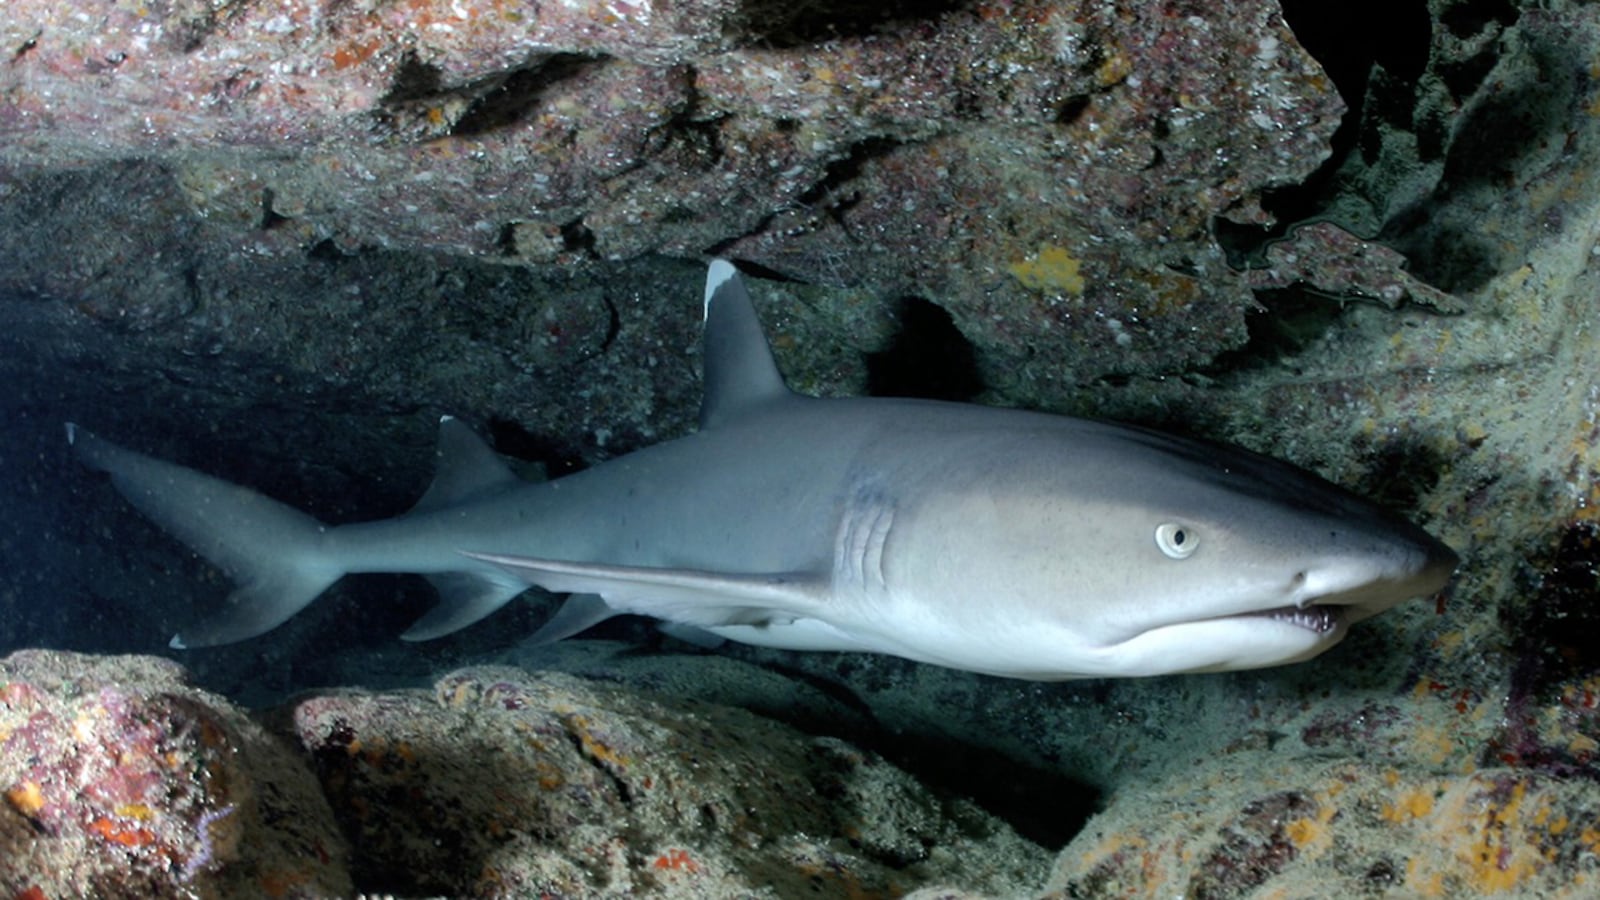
(862, 539)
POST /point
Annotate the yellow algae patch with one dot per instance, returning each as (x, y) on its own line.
(1313, 834)
(1497, 833)
(1412, 804)
(1115, 843)
(550, 777)
(1113, 70)
(1433, 744)
(593, 746)
(27, 798)
(1052, 269)
(139, 811)
(1559, 825)
(1449, 642)
(1487, 841)
(1306, 832)
(1424, 882)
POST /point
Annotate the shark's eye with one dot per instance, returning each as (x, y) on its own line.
(1176, 541)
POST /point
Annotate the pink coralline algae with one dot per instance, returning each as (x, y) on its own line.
(121, 781)
(1045, 169)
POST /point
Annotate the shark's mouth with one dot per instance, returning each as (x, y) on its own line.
(1317, 618)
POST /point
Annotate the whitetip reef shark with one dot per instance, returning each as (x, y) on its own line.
(1011, 543)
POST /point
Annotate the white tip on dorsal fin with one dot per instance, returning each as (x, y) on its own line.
(739, 370)
(717, 274)
(467, 468)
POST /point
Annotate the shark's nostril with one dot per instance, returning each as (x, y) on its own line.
(1297, 589)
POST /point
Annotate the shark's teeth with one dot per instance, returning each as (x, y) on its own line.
(1320, 619)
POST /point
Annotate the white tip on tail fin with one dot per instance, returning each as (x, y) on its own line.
(272, 551)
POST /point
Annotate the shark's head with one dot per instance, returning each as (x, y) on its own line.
(1149, 554)
(1265, 563)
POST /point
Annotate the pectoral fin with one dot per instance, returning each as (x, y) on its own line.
(691, 596)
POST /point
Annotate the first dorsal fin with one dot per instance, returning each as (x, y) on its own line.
(739, 370)
(467, 469)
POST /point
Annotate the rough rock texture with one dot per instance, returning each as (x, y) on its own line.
(1309, 828)
(503, 783)
(1045, 170)
(1472, 722)
(122, 780)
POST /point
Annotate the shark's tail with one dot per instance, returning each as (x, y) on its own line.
(275, 554)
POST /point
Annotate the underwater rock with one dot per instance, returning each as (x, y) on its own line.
(1308, 827)
(1038, 168)
(505, 783)
(1469, 768)
(1330, 260)
(121, 780)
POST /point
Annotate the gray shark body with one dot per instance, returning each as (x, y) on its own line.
(998, 541)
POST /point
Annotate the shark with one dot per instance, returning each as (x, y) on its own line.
(1005, 542)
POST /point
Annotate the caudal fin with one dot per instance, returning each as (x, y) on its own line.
(272, 552)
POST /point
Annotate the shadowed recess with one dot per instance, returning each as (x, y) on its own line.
(1466, 20)
(783, 23)
(1043, 805)
(510, 439)
(1284, 325)
(518, 94)
(929, 358)
(1400, 473)
(1346, 41)
(414, 80)
(1559, 633)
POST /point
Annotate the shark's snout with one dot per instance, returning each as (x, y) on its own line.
(1367, 585)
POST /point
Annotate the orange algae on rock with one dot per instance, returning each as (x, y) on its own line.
(121, 834)
(152, 787)
(27, 798)
(677, 860)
